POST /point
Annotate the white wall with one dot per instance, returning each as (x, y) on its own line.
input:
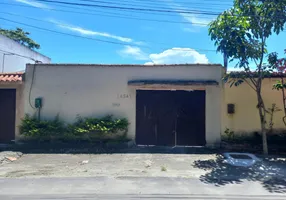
(88, 90)
(13, 63)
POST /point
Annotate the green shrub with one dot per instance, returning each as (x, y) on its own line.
(99, 125)
(82, 129)
(34, 127)
(255, 138)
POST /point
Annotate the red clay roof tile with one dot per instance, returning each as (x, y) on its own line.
(11, 77)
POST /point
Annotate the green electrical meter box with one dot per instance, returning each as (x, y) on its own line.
(38, 102)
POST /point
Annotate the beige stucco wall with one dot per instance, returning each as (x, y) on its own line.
(86, 90)
(246, 117)
(19, 103)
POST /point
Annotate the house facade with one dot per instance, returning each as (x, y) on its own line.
(14, 56)
(11, 105)
(161, 102)
(166, 105)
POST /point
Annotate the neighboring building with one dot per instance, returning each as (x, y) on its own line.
(245, 119)
(14, 56)
(11, 105)
(165, 104)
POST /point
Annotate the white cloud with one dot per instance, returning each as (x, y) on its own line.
(169, 56)
(84, 31)
(135, 52)
(178, 56)
(33, 3)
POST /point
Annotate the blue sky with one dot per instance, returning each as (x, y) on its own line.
(141, 42)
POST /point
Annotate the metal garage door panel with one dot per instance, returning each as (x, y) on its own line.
(145, 122)
(155, 118)
(165, 113)
(191, 118)
(7, 114)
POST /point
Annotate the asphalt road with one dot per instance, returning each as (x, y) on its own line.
(149, 197)
(129, 188)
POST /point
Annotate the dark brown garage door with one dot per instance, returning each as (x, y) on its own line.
(168, 118)
(7, 114)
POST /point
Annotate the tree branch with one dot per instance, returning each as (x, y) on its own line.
(254, 88)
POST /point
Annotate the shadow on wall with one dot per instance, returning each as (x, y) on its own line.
(271, 173)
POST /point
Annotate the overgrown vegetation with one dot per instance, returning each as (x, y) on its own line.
(277, 138)
(20, 36)
(105, 128)
(280, 65)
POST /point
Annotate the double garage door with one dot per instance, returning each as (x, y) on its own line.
(170, 118)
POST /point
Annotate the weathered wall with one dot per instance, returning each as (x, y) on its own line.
(246, 117)
(13, 63)
(90, 90)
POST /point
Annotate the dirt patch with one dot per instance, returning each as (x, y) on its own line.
(112, 165)
(9, 156)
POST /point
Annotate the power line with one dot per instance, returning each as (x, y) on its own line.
(189, 1)
(158, 2)
(132, 18)
(196, 12)
(114, 15)
(58, 32)
(98, 40)
(54, 23)
(68, 11)
(130, 8)
(150, 5)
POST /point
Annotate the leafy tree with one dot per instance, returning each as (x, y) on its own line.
(21, 37)
(280, 65)
(241, 34)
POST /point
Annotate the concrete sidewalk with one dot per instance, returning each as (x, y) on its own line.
(184, 172)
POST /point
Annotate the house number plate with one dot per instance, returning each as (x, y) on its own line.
(123, 96)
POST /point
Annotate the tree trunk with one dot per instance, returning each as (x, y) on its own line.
(261, 109)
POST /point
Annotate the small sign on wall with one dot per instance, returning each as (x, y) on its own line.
(116, 104)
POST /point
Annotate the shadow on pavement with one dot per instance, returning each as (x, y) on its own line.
(271, 173)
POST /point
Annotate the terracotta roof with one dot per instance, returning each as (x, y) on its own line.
(237, 74)
(11, 77)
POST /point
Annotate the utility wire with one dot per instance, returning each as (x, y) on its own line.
(130, 8)
(132, 18)
(15, 54)
(196, 12)
(151, 5)
(114, 15)
(58, 32)
(98, 40)
(72, 7)
(55, 23)
(189, 2)
(182, 4)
